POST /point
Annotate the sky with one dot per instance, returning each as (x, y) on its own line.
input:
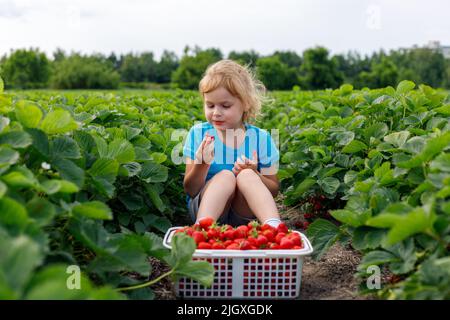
(103, 26)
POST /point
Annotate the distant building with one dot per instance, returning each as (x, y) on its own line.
(436, 45)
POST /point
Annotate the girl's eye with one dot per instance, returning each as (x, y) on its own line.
(226, 106)
(209, 106)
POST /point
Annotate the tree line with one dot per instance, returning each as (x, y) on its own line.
(314, 69)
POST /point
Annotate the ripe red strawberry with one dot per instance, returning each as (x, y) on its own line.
(241, 232)
(233, 246)
(229, 234)
(213, 232)
(265, 227)
(261, 241)
(295, 238)
(286, 243)
(227, 243)
(206, 222)
(198, 236)
(218, 245)
(282, 228)
(279, 236)
(269, 234)
(245, 245)
(274, 246)
(204, 245)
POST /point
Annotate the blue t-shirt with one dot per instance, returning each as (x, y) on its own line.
(225, 156)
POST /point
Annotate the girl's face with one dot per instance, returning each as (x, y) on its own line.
(223, 110)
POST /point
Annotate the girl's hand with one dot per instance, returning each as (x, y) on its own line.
(246, 163)
(205, 152)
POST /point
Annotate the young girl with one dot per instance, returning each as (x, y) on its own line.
(231, 165)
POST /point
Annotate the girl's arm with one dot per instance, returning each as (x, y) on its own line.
(195, 177)
(271, 182)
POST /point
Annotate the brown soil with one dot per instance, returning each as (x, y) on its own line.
(330, 278)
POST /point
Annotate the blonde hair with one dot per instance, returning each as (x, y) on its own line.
(240, 81)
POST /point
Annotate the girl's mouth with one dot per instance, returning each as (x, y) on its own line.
(218, 122)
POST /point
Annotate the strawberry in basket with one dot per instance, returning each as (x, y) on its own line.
(207, 234)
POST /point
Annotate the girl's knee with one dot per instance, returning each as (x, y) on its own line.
(226, 179)
(247, 175)
(226, 176)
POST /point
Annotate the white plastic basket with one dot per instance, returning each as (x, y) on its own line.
(247, 274)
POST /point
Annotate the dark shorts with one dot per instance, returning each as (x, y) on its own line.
(230, 217)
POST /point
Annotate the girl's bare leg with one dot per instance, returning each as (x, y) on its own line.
(252, 198)
(217, 195)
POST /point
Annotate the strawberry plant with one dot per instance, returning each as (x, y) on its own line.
(84, 182)
(385, 153)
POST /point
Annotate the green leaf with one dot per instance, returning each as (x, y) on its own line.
(376, 130)
(344, 138)
(354, 147)
(41, 210)
(352, 218)
(397, 139)
(402, 225)
(131, 200)
(405, 86)
(441, 162)
(350, 177)
(132, 168)
(433, 147)
(416, 221)
(21, 177)
(68, 187)
(183, 247)
(69, 170)
(91, 233)
(154, 197)
(16, 139)
(3, 189)
(317, 106)
(445, 110)
(414, 145)
(58, 121)
(127, 253)
(13, 214)
(102, 146)
(51, 283)
(121, 150)
(65, 147)
(377, 257)
(2, 86)
(28, 113)
(367, 238)
(405, 251)
(153, 172)
(200, 271)
(40, 141)
(19, 257)
(158, 157)
(106, 169)
(8, 157)
(303, 187)
(104, 187)
(329, 185)
(160, 223)
(323, 234)
(94, 210)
